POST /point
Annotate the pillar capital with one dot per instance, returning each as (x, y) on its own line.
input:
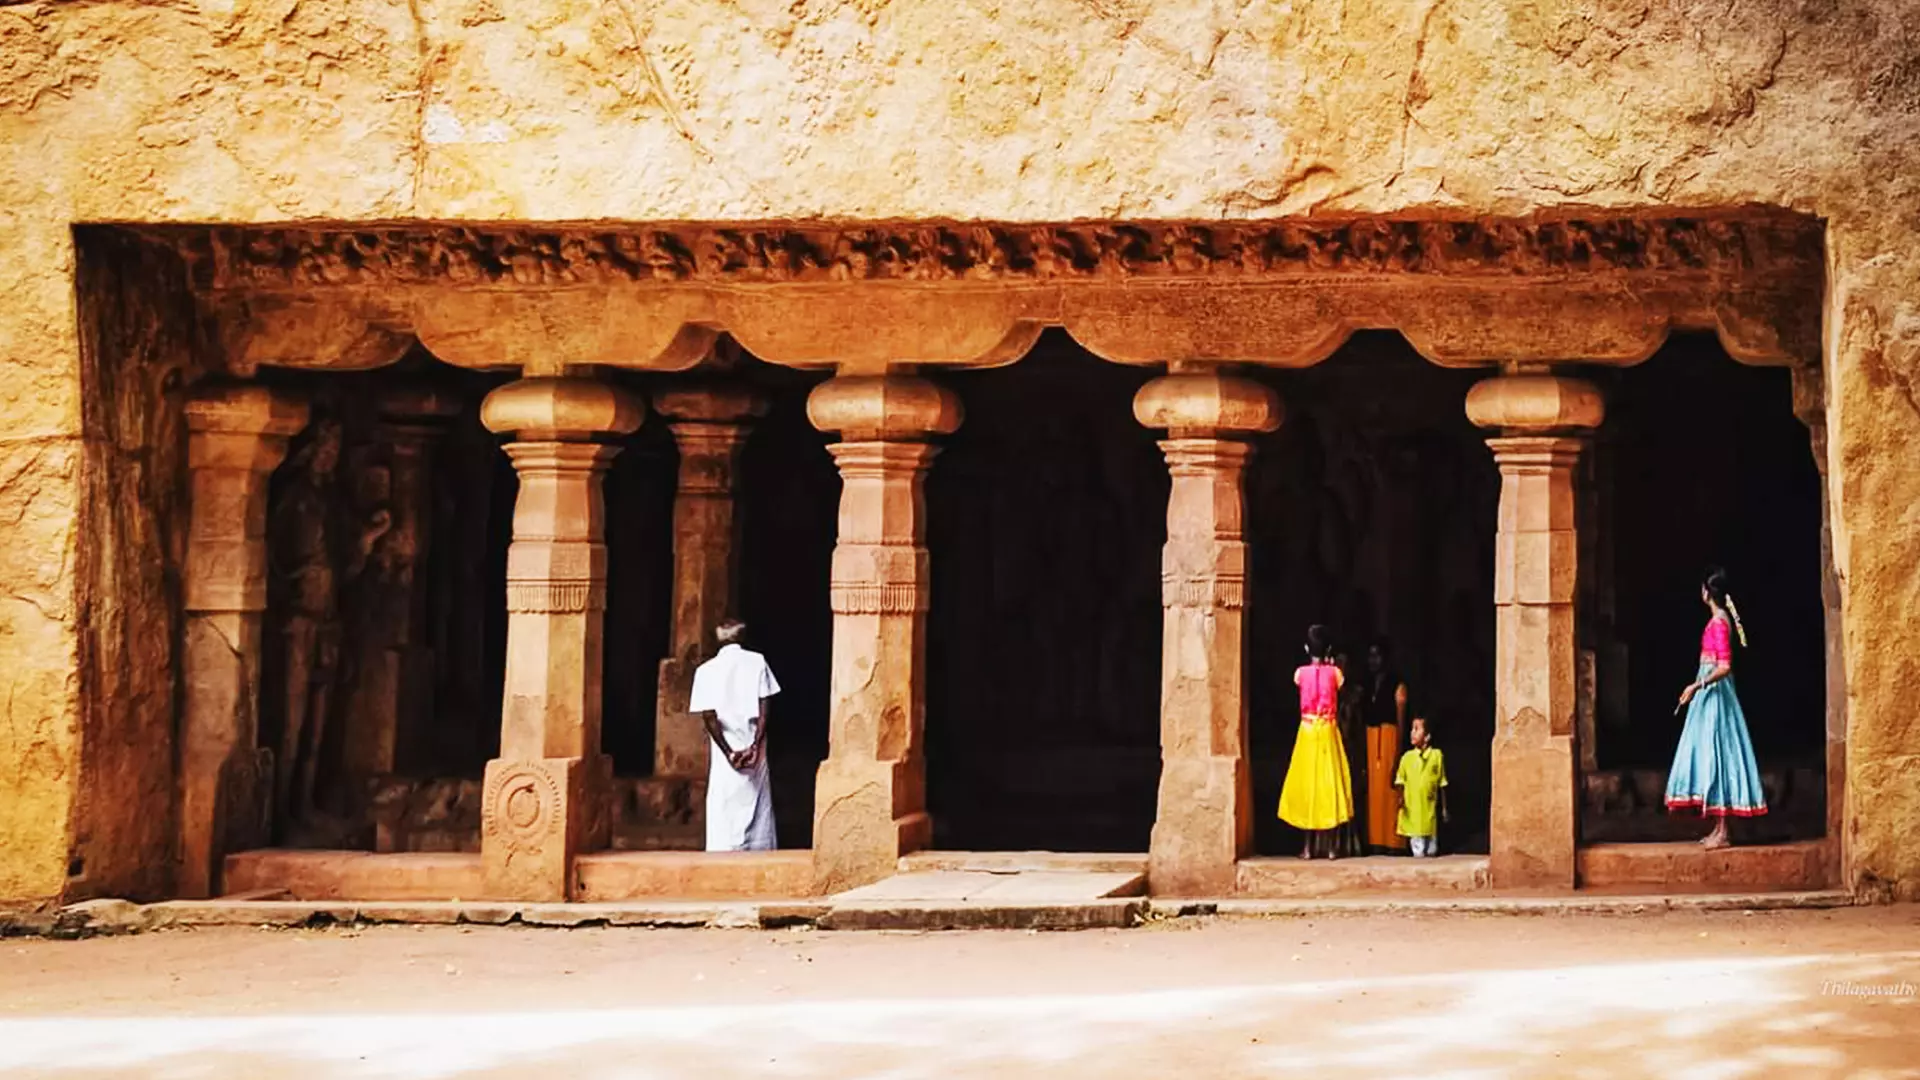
(552, 456)
(1191, 403)
(1535, 403)
(883, 407)
(418, 408)
(242, 427)
(561, 408)
(722, 404)
(1536, 453)
(1204, 455)
(245, 408)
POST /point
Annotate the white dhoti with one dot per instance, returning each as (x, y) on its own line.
(739, 804)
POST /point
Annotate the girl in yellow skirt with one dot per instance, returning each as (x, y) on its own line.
(1318, 795)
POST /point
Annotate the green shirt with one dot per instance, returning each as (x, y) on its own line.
(1421, 775)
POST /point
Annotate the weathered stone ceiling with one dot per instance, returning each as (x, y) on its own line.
(1604, 290)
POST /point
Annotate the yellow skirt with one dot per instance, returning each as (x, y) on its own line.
(1318, 793)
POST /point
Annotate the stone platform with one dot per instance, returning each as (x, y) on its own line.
(354, 875)
(602, 877)
(96, 917)
(1688, 867)
(1370, 876)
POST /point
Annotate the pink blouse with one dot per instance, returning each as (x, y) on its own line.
(1716, 644)
(1319, 691)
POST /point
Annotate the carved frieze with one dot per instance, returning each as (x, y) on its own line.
(1227, 592)
(556, 577)
(879, 579)
(558, 256)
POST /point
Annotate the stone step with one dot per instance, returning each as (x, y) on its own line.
(1290, 877)
(1575, 903)
(1012, 861)
(1688, 866)
(694, 875)
(1099, 914)
(355, 875)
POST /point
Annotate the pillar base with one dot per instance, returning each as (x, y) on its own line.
(1205, 814)
(867, 818)
(1533, 831)
(537, 814)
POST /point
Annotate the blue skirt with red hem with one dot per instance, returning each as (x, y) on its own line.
(1714, 771)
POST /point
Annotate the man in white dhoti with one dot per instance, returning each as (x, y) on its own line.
(731, 691)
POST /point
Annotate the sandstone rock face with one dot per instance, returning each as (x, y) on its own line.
(258, 111)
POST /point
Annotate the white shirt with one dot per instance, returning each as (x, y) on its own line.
(730, 686)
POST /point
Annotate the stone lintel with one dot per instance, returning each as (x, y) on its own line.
(1606, 288)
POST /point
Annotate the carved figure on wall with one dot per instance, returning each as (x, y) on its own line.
(300, 551)
(314, 556)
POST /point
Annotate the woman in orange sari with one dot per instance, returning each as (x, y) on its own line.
(1386, 716)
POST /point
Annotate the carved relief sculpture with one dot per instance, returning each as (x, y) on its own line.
(232, 257)
(318, 549)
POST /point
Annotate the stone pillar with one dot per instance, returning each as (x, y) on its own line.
(238, 436)
(395, 680)
(709, 427)
(870, 799)
(545, 797)
(1540, 419)
(1810, 406)
(1204, 823)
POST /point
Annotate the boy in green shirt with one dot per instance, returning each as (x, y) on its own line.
(1422, 780)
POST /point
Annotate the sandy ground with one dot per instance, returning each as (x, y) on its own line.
(1696, 995)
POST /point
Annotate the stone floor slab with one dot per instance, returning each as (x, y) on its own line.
(1011, 887)
(1003, 861)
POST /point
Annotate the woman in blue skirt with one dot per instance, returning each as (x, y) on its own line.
(1713, 768)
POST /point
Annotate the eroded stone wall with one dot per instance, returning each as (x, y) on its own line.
(251, 111)
(140, 350)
